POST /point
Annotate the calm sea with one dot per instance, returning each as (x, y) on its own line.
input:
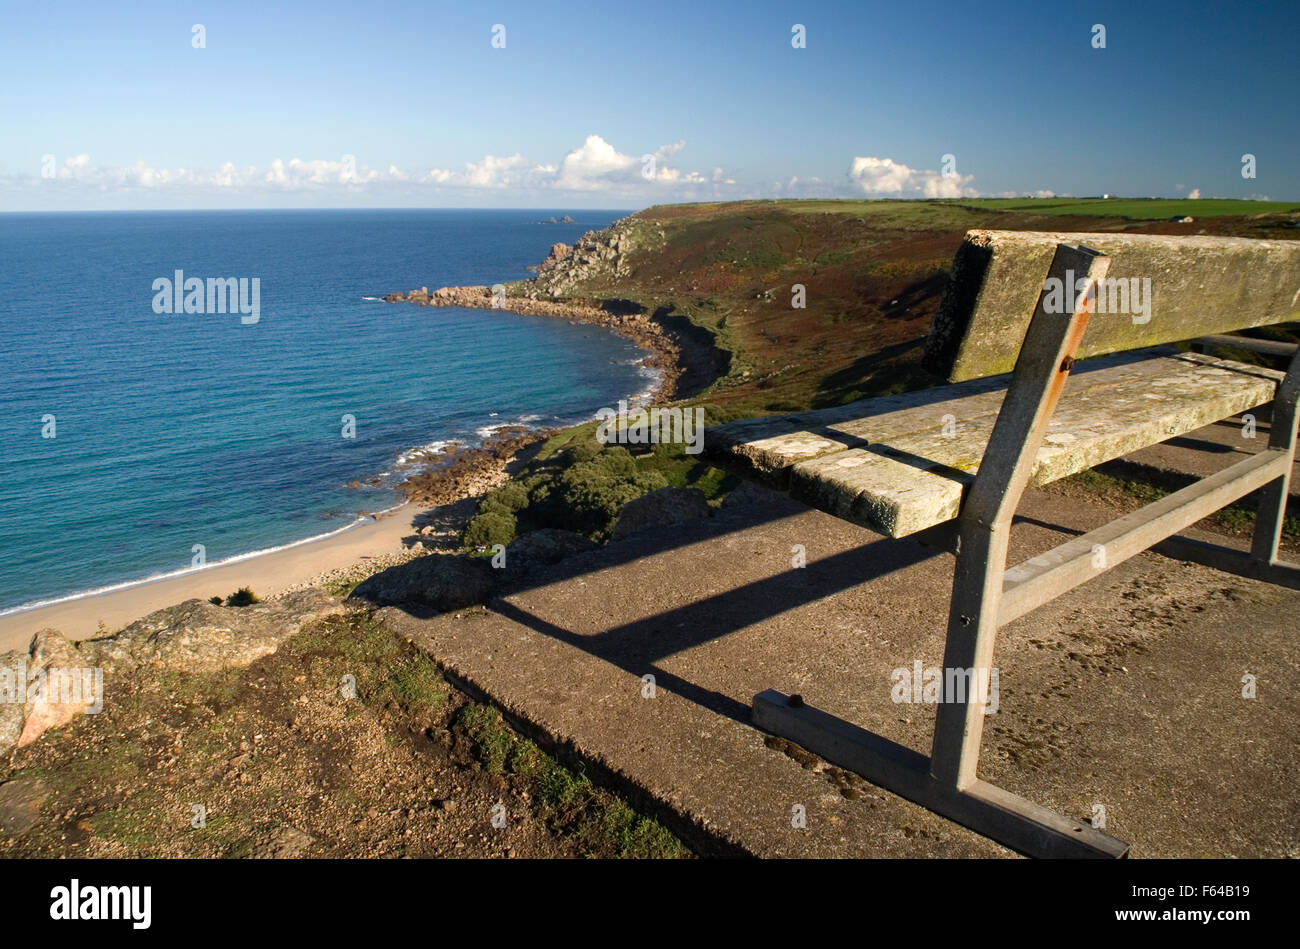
(173, 430)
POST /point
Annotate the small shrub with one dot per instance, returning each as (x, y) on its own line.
(590, 493)
(243, 597)
(215, 600)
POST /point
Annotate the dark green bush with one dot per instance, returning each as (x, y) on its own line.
(590, 493)
(489, 528)
(582, 488)
(511, 496)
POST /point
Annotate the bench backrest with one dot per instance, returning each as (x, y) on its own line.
(1185, 287)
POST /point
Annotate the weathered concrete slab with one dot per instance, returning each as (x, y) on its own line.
(913, 462)
(1198, 286)
(1125, 693)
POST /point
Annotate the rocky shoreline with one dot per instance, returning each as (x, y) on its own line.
(664, 355)
(471, 472)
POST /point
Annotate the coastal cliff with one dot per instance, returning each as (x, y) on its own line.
(597, 253)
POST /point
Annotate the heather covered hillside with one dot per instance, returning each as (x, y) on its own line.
(872, 272)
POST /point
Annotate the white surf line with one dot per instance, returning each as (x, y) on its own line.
(159, 577)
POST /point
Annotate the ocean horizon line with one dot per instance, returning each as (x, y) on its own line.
(382, 208)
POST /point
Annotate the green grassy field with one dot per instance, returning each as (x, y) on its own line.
(1135, 209)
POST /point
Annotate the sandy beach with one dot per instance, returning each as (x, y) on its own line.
(267, 575)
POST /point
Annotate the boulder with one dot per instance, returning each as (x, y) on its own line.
(541, 548)
(193, 637)
(58, 659)
(20, 805)
(440, 582)
(12, 666)
(660, 509)
(43, 688)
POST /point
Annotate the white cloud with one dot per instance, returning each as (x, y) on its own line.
(884, 176)
(595, 167)
(1194, 194)
(75, 166)
(594, 173)
(493, 172)
(1018, 194)
(596, 164)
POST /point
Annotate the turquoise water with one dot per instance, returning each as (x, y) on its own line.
(172, 430)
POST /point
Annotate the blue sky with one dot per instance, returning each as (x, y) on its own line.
(432, 115)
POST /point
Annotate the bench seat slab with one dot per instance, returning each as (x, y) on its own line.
(900, 464)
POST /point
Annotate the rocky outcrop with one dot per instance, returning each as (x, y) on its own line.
(56, 705)
(436, 582)
(570, 274)
(659, 509)
(542, 548)
(54, 681)
(597, 254)
(196, 636)
(470, 472)
(42, 688)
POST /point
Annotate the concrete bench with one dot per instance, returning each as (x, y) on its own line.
(949, 464)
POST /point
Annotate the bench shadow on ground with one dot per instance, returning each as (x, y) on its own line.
(639, 646)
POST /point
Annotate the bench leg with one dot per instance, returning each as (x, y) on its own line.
(1042, 368)
(1273, 498)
